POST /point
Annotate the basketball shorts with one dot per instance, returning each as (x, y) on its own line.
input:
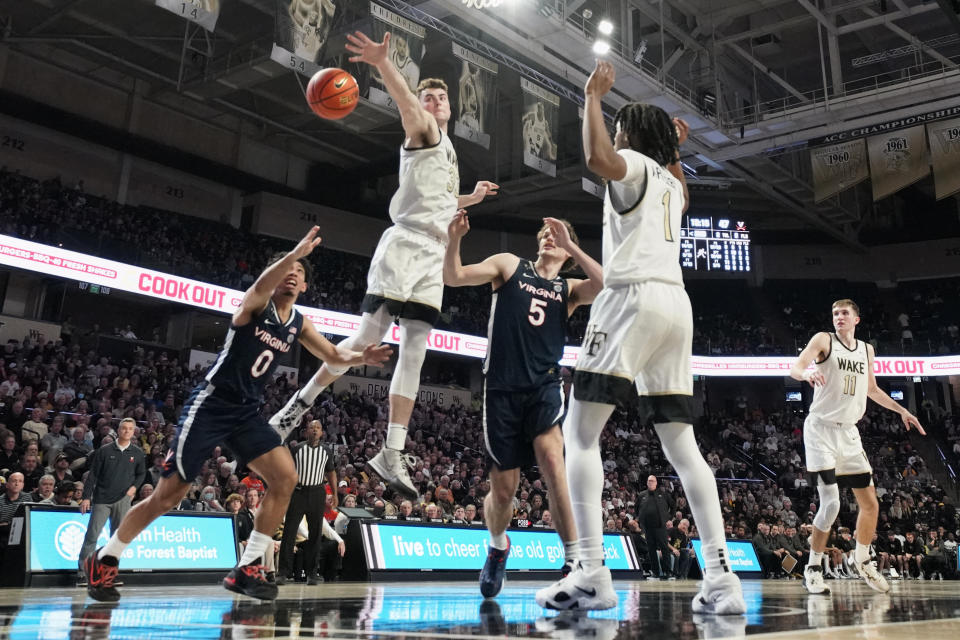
(638, 341)
(513, 419)
(406, 274)
(834, 445)
(210, 419)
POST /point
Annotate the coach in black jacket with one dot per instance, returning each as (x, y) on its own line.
(116, 472)
(655, 507)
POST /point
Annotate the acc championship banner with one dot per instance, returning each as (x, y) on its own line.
(411, 548)
(741, 554)
(897, 160)
(202, 12)
(541, 117)
(475, 101)
(838, 167)
(61, 263)
(300, 33)
(945, 153)
(405, 51)
(171, 542)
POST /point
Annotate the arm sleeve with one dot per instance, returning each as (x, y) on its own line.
(329, 532)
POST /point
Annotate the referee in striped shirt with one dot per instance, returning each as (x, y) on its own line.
(314, 467)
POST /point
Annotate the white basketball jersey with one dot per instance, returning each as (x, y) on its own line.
(843, 396)
(641, 224)
(426, 199)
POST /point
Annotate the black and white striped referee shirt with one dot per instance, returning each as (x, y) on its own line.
(313, 464)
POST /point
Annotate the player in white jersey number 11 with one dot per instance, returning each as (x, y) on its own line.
(842, 380)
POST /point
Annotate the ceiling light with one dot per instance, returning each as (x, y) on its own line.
(601, 47)
(605, 27)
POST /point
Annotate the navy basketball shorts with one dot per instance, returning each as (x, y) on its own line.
(513, 419)
(209, 420)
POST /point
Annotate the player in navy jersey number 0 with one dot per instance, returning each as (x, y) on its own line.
(523, 395)
(224, 408)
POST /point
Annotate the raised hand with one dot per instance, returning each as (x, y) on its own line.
(683, 129)
(483, 189)
(367, 50)
(308, 243)
(601, 80)
(375, 356)
(561, 235)
(459, 226)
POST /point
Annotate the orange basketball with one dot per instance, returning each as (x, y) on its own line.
(332, 93)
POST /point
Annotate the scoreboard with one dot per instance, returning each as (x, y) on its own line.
(710, 243)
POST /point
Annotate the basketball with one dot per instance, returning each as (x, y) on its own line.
(332, 93)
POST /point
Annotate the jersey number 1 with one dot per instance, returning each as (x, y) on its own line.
(667, 231)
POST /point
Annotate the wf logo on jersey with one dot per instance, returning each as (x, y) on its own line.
(594, 340)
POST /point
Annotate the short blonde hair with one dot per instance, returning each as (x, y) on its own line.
(431, 83)
(847, 302)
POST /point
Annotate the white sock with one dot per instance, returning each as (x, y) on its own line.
(311, 390)
(396, 436)
(581, 436)
(862, 553)
(499, 541)
(680, 447)
(571, 551)
(114, 547)
(816, 557)
(256, 548)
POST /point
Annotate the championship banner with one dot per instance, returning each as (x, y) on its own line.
(541, 117)
(406, 51)
(838, 167)
(201, 12)
(945, 153)
(897, 160)
(71, 265)
(476, 93)
(300, 34)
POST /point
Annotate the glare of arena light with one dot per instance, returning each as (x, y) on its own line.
(601, 47)
(482, 4)
(605, 27)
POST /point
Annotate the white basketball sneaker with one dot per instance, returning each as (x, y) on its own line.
(868, 571)
(290, 417)
(391, 465)
(813, 580)
(720, 595)
(582, 589)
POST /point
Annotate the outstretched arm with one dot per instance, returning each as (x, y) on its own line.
(491, 270)
(598, 149)
(878, 395)
(418, 124)
(258, 295)
(328, 352)
(483, 189)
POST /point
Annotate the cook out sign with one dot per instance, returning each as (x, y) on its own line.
(55, 261)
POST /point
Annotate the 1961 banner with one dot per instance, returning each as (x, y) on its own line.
(54, 261)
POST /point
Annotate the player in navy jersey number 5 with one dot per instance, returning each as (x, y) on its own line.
(523, 394)
(224, 408)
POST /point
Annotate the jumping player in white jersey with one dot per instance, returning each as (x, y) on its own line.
(522, 391)
(638, 341)
(405, 280)
(224, 408)
(842, 381)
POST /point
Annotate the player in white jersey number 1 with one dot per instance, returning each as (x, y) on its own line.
(842, 380)
(405, 280)
(638, 342)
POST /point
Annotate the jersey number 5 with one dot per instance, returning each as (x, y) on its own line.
(262, 363)
(537, 313)
(667, 231)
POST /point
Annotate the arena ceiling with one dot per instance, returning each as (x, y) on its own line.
(757, 79)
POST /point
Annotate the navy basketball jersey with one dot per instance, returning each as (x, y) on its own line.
(527, 330)
(250, 354)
